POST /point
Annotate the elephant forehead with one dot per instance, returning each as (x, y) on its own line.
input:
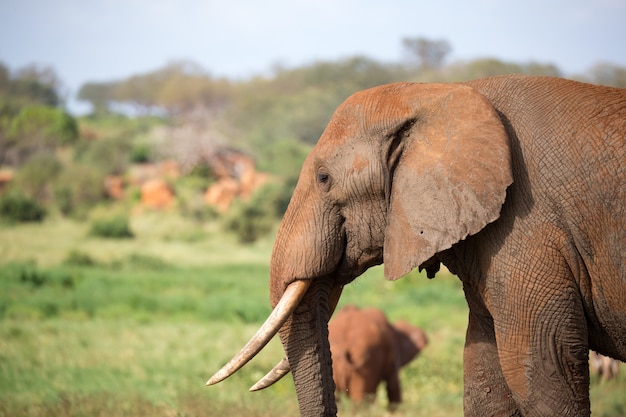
(338, 131)
(359, 163)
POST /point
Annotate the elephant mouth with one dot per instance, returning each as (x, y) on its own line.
(352, 266)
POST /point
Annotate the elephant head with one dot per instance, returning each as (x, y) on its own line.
(401, 173)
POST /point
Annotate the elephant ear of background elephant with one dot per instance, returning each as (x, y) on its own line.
(450, 176)
(410, 341)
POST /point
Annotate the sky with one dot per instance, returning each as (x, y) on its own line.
(107, 40)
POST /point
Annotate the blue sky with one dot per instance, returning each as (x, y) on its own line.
(91, 40)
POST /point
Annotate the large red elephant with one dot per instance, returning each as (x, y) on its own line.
(368, 350)
(517, 184)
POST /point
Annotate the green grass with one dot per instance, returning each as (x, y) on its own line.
(92, 327)
(167, 236)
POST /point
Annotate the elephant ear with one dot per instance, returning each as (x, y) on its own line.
(449, 168)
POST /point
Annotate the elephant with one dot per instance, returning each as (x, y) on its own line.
(366, 350)
(517, 184)
(603, 366)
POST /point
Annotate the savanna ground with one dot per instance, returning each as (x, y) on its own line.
(134, 327)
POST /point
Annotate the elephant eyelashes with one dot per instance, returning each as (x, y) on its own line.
(323, 179)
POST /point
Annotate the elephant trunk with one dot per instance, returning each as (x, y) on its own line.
(305, 339)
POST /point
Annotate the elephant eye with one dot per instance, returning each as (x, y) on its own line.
(323, 180)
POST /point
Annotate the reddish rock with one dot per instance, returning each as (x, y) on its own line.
(114, 187)
(222, 193)
(5, 178)
(169, 169)
(157, 194)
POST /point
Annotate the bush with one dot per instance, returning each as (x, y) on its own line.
(64, 199)
(35, 176)
(78, 258)
(114, 227)
(248, 222)
(140, 153)
(141, 261)
(252, 219)
(35, 128)
(15, 206)
(77, 189)
(106, 156)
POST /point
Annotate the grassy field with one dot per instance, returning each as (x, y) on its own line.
(134, 327)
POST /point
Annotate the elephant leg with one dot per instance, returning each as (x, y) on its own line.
(362, 387)
(393, 387)
(544, 354)
(486, 392)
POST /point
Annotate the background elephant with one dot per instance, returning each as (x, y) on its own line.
(603, 366)
(517, 184)
(366, 350)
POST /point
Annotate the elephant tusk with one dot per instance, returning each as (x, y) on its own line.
(281, 369)
(287, 304)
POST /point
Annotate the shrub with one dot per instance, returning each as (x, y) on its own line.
(64, 199)
(248, 222)
(190, 194)
(77, 189)
(252, 219)
(35, 128)
(141, 261)
(30, 275)
(15, 206)
(114, 227)
(106, 156)
(140, 153)
(78, 258)
(35, 175)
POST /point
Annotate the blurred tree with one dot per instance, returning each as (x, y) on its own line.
(35, 129)
(109, 156)
(535, 68)
(78, 188)
(428, 53)
(99, 95)
(608, 74)
(29, 85)
(186, 87)
(5, 80)
(178, 88)
(30, 118)
(36, 176)
(139, 91)
(296, 104)
(33, 84)
(489, 67)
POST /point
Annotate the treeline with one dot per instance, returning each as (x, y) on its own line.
(271, 115)
(31, 118)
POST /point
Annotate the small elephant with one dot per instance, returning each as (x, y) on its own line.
(367, 350)
(603, 366)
